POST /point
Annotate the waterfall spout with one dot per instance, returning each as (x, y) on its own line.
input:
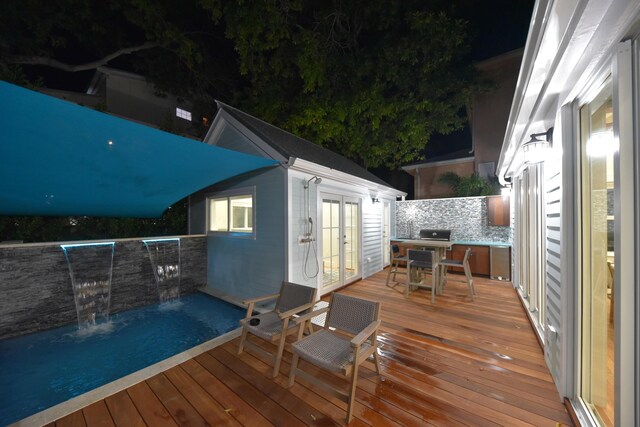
(90, 268)
(164, 255)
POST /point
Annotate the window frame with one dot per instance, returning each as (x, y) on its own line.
(229, 195)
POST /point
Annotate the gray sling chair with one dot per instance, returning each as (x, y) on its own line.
(396, 259)
(348, 338)
(274, 326)
(464, 264)
(419, 263)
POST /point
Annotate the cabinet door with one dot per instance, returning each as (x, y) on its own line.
(498, 210)
(478, 259)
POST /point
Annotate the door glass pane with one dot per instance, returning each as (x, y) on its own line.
(351, 249)
(330, 242)
(598, 146)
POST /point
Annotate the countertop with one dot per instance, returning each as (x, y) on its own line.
(459, 242)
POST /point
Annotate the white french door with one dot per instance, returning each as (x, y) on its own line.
(386, 234)
(340, 222)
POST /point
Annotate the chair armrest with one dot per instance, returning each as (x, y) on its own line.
(251, 302)
(365, 333)
(296, 310)
(260, 299)
(301, 319)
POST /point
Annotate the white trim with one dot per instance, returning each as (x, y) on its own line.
(624, 210)
(228, 194)
(311, 168)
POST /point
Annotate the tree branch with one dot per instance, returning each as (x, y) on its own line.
(54, 63)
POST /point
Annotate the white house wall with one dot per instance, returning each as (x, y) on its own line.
(371, 259)
(573, 46)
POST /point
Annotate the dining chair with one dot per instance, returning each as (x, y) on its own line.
(420, 262)
(464, 264)
(396, 259)
(348, 338)
(274, 326)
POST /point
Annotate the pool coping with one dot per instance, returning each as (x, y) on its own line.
(74, 404)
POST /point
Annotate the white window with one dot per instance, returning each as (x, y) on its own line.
(183, 114)
(232, 213)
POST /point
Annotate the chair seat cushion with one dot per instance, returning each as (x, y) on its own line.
(453, 262)
(270, 325)
(327, 350)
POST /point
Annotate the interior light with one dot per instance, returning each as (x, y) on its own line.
(602, 144)
(110, 142)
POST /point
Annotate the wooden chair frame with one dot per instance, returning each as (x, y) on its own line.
(288, 328)
(444, 263)
(411, 264)
(350, 371)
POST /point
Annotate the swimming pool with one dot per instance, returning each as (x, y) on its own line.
(43, 369)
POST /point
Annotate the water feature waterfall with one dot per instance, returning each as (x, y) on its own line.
(164, 255)
(90, 267)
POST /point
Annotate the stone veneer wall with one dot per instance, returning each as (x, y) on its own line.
(36, 292)
(466, 217)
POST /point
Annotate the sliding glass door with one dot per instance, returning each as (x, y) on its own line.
(596, 296)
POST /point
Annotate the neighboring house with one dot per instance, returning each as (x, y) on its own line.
(488, 114)
(426, 174)
(576, 200)
(317, 219)
(130, 96)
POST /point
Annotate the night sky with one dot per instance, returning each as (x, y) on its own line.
(495, 27)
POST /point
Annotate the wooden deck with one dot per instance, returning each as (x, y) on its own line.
(453, 363)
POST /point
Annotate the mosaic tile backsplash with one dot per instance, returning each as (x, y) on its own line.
(466, 217)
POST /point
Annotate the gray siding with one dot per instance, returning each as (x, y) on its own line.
(36, 288)
(240, 267)
(232, 139)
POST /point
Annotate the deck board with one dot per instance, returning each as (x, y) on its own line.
(456, 362)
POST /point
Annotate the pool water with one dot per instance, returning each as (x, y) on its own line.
(43, 369)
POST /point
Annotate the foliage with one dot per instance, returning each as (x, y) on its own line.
(468, 186)
(185, 53)
(52, 229)
(371, 80)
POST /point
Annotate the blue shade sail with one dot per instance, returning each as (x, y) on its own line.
(58, 159)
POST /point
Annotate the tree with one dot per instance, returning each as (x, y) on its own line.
(173, 43)
(371, 80)
(469, 186)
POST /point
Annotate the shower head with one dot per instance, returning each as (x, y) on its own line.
(316, 180)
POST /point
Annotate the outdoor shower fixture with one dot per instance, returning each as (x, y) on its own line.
(316, 180)
(308, 235)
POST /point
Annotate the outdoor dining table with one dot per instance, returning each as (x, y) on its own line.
(438, 246)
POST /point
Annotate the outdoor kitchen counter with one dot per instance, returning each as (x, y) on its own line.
(479, 262)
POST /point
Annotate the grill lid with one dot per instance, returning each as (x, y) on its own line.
(431, 234)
